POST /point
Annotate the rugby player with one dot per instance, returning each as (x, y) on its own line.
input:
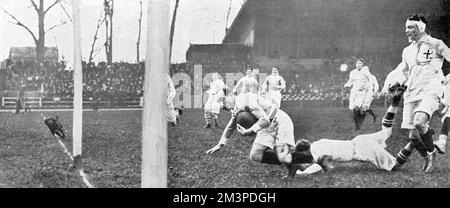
(421, 71)
(360, 93)
(273, 85)
(212, 106)
(366, 148)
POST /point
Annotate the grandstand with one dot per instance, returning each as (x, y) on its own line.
(121, 84)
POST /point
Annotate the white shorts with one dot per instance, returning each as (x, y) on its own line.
(358, 98)
(429, 104)
(369, 150)
(275, 97)
(285, 134)
(368, 100)
(213, 104)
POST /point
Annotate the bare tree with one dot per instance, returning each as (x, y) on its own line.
(100, 22)
(172, 28)
(139, 34)
(39, 39)
(109, 9)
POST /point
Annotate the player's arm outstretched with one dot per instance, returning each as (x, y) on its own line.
(227, 132)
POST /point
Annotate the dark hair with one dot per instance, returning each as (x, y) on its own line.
(360, 59)
(276, 67)
(418, 17)
(251, 69)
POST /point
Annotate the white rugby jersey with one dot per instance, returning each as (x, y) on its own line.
(216, 86)
(338, 150)
(273, 82)
(358, 80)
(247, 84)
(424, 59)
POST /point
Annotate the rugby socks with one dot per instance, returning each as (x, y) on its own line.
(216, 120)
(370, 111)
(208, 117)
(270, 157)
(361, 117)
(404, 154)
(388, 119)
(356, 118)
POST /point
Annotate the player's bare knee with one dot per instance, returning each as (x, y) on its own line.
(256, 155)
(420, 122)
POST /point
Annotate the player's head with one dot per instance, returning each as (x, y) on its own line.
(245, 119)
(415, 25)
(215, 76)
(359, 63)
(250, 72)
(275, 70)
(302, 145)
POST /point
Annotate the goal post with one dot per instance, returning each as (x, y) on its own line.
(78, 82)
(154, 120)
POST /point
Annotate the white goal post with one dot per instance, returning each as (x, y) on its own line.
(154, 121)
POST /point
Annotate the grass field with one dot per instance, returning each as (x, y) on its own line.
(30, 157)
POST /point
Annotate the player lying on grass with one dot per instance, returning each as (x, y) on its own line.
(272, 138)
(366, 148)
(55, 126)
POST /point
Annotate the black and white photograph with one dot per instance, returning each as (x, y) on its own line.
(224, 94)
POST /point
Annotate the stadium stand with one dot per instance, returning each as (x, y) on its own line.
(121, 84)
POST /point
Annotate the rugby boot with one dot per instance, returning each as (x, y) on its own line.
(429, 159)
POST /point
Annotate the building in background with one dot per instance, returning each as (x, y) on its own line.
(303, 34)
(29, 54)
(221, 58)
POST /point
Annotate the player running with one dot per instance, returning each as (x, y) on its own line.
(273, 85)
(421, 71)
(359, 81)
(215, 100)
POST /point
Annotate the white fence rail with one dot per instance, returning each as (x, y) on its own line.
(39, 102)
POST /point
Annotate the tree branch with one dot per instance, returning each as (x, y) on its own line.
(35, 6)
(54, 3)
(54, 26)
(65, 11)
(19, 23)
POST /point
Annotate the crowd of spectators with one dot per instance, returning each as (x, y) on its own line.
(125, 80)
(55, 80)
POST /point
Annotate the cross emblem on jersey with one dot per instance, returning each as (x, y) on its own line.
(427, 53)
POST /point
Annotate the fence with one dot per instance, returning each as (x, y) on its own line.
(39, 102)
(138, 102)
